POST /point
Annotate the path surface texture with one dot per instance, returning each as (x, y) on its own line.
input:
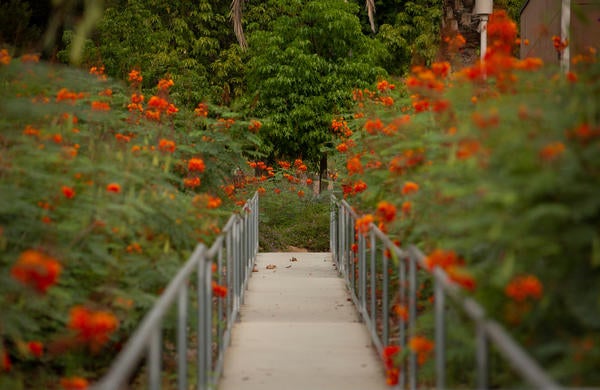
(299, 330)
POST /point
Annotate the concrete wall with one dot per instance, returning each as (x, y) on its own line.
(540, 21)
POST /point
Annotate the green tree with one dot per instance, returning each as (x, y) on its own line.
(303, 65)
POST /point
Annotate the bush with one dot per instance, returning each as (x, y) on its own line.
(103, 195)
(494, 171)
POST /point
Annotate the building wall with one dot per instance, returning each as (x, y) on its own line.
(540, 21)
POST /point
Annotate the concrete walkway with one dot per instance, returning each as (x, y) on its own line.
(299, 331)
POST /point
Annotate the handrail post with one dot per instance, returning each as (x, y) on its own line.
(182, 306)
(412, 317)
(440, 332)
(481, 356)
(204, 324)
(154, 358)
(385, 306)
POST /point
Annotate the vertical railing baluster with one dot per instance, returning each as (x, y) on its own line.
(385, 305)
(412, 318)
(204, 324)
(154, 359)
(362, 271)
(402, 330)
(182, 315)
(373, 289)
(440, 333)
(481, 356)
(220, 309)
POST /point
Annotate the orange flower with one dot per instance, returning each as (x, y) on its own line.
(100, 106)
(409, 188)
(113, 187)
(559, 45)
(135, 77)
(30, 130)
(363, 223)
(192, 182)
(406, 207)
(165, 84)
(4, 57)
(390, 362)
(443, 259)
(441, 69)
(196, 165)
(386, 211)
(461, 277)
(165, 145)
(384, 86)
(342, 148)
(201, 110)
(523, 287)
(422, 347)
(158, 103)
(300, 194)
(36, 348)
(6, 363)
(92, 327)
(360, 186)
(467, 148)
(552, 151)
(373, 126)
(402, 312)
(68, 192)
(254, 126)
(37, 270)
(74, 383)
(354, 165)
(219, 290)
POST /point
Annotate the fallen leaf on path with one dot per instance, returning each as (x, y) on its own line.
(255, 269)
(271, 266)
(289, 266)
(293, 259)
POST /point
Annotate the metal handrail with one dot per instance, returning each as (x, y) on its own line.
(355, 268)
(237, 246)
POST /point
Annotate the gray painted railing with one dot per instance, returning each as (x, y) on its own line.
(360, 271)
(234, 253)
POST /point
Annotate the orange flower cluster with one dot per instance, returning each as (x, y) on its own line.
(92, 327)
(100, 106)
(166, 146)
(422, 346)
(37, 270)
(98, 71)
(552, 151)
(584, 132)
(5, 58)
(340, 127)
(202, 110)
(74, 383)
(386, 212)
(165, 84)
(136, 103)
(254, 126)
(208, 201)
(453, 266)
(523, 287)
(35, 348)
(135, 78)
(192, 182)
(113, 187)
(408, 159)
(30, 58)
(384, 86)
(68, 192)
(391, 364)
(559, 45)
(196, 165)
(363, 223)
(225, 123)
(219, 290)
(410, 188)
(65, 94)
(354, 165)
(373, 126)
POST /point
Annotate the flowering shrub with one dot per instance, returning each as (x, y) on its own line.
(97, 213)
(495, 169)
